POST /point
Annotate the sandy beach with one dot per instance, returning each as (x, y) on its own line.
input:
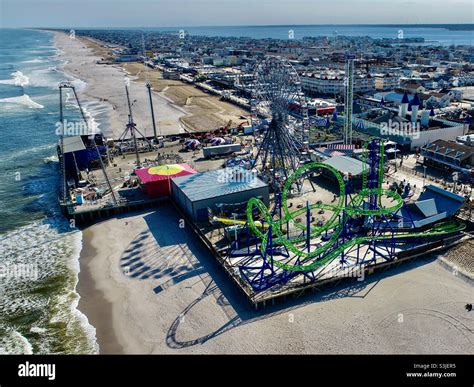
(150, 291)
(178, 107)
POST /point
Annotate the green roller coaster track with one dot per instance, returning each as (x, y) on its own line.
(354, 208)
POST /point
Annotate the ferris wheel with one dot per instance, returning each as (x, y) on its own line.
(277, 99)
(276, 93)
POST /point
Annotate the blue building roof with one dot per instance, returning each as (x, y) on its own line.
(448, 201)
(433, 205)
(227, 181)
(405, 97)
(427, 207)
(415, 101)
(397, 97)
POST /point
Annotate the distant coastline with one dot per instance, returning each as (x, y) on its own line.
(433, 34)
(447, 26)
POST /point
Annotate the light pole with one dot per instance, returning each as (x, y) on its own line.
(455, 181)
(235, 233)
(148, 86)
(169, 179)
(424, 175)
(470, 203)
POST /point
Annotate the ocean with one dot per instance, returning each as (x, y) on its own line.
(39, 252)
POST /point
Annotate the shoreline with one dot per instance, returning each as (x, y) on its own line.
(85, 283)
(68, 68)
(104, 85)
(92, 302)
(178, 106)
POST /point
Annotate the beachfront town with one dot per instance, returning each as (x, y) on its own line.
(436, 80)
(417, 95)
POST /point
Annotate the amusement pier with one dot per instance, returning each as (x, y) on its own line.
(291, 197)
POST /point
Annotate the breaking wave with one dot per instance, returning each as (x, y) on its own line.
(37, 315)
(37, 60)
(50, 251)
(24, 100)
(19, 79)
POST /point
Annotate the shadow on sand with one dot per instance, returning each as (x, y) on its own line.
(174, 258)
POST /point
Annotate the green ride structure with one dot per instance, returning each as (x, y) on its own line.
(364, 228)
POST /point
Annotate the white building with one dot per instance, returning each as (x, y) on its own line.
(386, 81)
(333, 83)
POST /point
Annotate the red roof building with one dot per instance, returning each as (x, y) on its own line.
(155, 181)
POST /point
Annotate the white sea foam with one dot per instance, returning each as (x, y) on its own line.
(92, 109)
(23, 100)
(23, 152)
(44, 77)
(38, 330)
(54, 250)
(19, 79)
(51, 159)
(36, 60)
(68, 305)
(13, 342)
(79, 84)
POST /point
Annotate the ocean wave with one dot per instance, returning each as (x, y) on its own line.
(72, 300)
(51, 76)
(23, 100)
(44, 77)
(79, 84)
(13, 342)
(6, 66)
(36, 60)
(92, 110)
(51, 50)
(17, 154)
(19, 79)
(51, 159)
(46, 302)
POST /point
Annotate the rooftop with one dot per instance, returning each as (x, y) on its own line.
(433, 205)
(217, 183)
(346, 164)
(450, 148)
(163, 172)
(73, 144)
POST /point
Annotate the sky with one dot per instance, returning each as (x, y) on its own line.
(185, 13)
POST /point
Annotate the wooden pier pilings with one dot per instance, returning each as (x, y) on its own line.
(87, 216)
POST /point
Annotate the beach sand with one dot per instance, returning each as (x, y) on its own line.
(149, 286)
(178, 107)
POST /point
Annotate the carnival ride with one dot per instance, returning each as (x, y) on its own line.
(367, 224)
(276, 87)
(364, 228)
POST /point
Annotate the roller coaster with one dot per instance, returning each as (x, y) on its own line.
(365, 227)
